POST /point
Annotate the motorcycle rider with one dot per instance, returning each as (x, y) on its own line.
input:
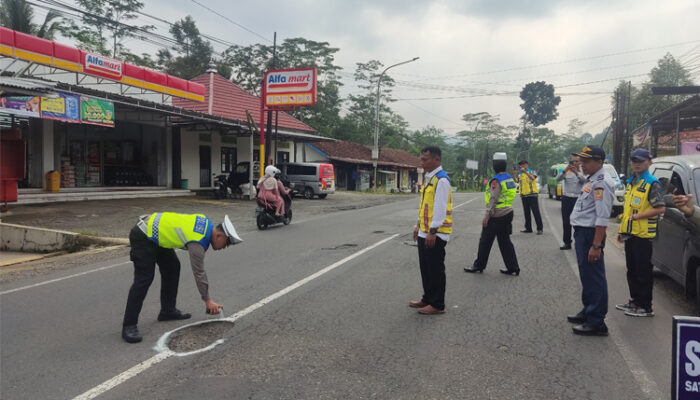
(270, 189)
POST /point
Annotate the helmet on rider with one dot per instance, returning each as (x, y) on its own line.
(271, 170)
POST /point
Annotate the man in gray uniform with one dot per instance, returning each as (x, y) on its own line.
(573, 179)
(590, 221)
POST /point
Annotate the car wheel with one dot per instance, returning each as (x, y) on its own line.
(322, 196)
(262, 224)
(308, 193)
(549, 192)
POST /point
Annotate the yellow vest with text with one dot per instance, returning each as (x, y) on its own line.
(527, 185)
(174, 231)
(427, 205)
(637, 202)
(508, 191)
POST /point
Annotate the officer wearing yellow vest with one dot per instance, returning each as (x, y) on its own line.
(498, 221)
(433, 232)
(643, 205)
(528, 193)
(153, 241)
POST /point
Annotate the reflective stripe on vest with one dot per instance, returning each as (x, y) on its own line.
(174, 231)
(427, 205)
(637, 202)
(508, 191)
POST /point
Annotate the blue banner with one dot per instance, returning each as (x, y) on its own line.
(686, 358)
(65, 107)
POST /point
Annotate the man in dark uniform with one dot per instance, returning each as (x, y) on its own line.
(590, 221)
(153, 241)
(498, 221)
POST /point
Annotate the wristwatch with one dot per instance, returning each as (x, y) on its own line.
(433, 230)
(596, 246)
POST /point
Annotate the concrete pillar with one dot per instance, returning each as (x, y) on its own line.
(48, 160)
(168, 181)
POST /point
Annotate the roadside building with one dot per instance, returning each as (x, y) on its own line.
(673, 131)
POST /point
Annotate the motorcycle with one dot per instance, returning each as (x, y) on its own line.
(222, 187)
(265, 212)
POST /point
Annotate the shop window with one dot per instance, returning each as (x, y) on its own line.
(228, 159)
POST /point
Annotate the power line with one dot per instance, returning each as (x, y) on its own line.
(231, 21)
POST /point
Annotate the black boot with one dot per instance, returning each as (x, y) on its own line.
(173, 315)
(130, 334)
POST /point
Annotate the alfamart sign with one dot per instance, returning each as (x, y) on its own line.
(101, 65)
(290, 87)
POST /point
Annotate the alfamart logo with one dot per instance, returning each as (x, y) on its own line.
(104, 65)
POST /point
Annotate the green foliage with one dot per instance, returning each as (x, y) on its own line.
(539, 103)
(19, 15)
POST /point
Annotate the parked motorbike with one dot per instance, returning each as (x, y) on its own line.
(265, 213)
(222, 187)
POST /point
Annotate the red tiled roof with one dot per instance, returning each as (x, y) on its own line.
(231, 101)
(361, 154)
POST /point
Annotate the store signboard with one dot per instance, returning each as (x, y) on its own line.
(290, 87)
(103, 66)
(96, 111)
(23, 106)
(686, 358)
(65, 107)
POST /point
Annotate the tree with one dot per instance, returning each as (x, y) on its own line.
(539, 103)
(105, 25)
(193, 53)
(19, 15)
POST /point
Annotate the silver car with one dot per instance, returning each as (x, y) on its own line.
(676, 249)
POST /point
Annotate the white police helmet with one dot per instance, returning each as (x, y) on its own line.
(230, 231)
(271, 170)
(500, 156)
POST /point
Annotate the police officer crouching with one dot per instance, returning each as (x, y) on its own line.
(590, 220)
(498, 221)
(153, 241)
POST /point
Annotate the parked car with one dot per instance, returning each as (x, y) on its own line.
(309, 179)
(554, 188)
(676, 249)
(619, 200)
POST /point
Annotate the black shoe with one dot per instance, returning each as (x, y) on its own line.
(565, 247)
(130, 334)
(539, 232)
(526, 231)
(473, 269)
(576, 318)
(588, 330)
(507, 272)
(173, 315)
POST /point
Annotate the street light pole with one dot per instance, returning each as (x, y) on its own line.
(375, 149)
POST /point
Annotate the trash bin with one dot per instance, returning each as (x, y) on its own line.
(183, 184)
(53, 181)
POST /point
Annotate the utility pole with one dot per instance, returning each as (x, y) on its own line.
(617, 133)
(268, 129)
(628, 139)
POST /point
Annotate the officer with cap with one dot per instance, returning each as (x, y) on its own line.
(153, 241)
(590, 221)
(498, 221)
(644, 203)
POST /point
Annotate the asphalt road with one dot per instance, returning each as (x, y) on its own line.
(346, 330)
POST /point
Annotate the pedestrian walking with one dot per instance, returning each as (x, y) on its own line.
(153, 241)
(433, 232)
(590, 221)
(643, 204)
(529, 194)
(574, 179)
(498, 221)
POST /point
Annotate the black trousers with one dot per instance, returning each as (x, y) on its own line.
(497, 228)
(530, 204)
(145, 255)
(639, 270)
(567, 206)
(432, 272)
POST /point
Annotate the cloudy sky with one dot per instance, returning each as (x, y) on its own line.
(475, 55)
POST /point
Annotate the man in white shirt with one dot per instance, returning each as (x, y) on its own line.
(433, 232)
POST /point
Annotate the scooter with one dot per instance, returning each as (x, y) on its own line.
(222, 188)
(265, 212)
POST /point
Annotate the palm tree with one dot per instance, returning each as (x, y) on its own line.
(18, 15)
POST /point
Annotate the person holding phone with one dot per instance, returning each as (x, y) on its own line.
(574, 179)
(528, 194)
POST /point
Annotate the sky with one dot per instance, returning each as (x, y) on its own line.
(475, 55)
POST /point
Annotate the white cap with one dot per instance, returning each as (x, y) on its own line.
(230, 231)
(500, 156)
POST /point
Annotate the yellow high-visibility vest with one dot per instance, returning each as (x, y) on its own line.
(527, 185)
(174, 231)
(508, 191)
(427, 205)
(637, 202)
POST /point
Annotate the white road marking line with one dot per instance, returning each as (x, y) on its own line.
(466, 202)
(63, 278)
(643, 377)
(137, 369)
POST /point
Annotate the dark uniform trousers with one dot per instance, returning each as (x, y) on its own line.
(567, 206)
(530, 204)
(595, 287)
(640, 278)
(145, 254)
(501, 229)
(432, 272)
